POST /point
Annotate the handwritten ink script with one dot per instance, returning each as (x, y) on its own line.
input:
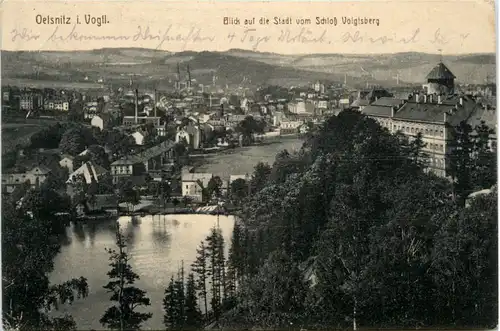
(254, 38)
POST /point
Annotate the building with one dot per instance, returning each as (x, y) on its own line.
(34, 178)
(440, 80)
(157, 159)
(301, 107)
(89, 171)
(131, 120)
(30, 101)
(432, 115)
(290, 126)
(138, 137)
(56, 104)
(101, 121)
(366, 97)
(67, 162)
(193, 184)
(191, 133)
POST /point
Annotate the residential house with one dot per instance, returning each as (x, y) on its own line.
(101, 121)
(89, 171)
(131, 120)
(67, 162)
(366, 97)
(103, 203)
(30, 101)
(191, 133)
(301, 107)
(34, 177)
(157, 159)
(193, 184)
(290, 126)
(139, 137)
(57, 104)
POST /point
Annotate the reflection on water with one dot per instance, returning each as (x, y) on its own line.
(157, 246)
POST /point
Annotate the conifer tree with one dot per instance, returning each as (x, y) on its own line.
(193, 316)
(172, 317)
(200, 267)
(123, 316)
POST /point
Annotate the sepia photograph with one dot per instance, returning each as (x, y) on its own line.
(249, 165)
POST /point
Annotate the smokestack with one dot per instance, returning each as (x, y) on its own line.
(189, 76)
(155, 103)
(136, 104)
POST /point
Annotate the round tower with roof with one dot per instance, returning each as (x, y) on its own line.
(440, 80)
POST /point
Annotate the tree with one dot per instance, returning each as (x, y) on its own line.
(239, 190)
(214, 186)
(194, 318)
(484, 173)
(123, 315)
(200, 267)
(72, 142)
(461, 163)
(30, 242)
(173, 318)
(216, 269)
(186, 201)
(260, 177)
(98, 156)
(129, 195)
(236, 259)
(248, 127)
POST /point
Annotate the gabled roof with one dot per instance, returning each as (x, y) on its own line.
(440, 71)
(89, 172)
(41, 169)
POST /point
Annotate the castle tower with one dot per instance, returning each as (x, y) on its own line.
(440, 80)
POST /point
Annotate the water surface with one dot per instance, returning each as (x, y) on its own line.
(157, 246)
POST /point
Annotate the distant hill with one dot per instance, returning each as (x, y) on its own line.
(236, 65)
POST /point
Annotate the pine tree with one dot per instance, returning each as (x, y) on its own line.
(213, 272)
(172, 316)
(461, 163)
(193, 317)
(236, 258)
(201, 269)
(123, 316)
(180, 297)
(215, 252)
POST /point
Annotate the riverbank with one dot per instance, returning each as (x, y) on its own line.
(242, 160)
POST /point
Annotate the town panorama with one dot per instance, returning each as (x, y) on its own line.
(148, 190)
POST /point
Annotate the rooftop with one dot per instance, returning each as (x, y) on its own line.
(434, 112)
(440, 71)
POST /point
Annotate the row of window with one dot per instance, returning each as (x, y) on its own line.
(413, 130)
(435, 162)
(435, 147)
(121, 170)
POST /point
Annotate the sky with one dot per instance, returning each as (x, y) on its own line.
(449, 27)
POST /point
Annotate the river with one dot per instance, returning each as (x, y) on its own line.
(157, 245)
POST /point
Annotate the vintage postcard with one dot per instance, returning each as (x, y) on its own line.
(243, 165)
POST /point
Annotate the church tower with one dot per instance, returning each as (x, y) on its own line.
(440, 80)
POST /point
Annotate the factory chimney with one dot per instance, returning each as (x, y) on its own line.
(136, 103)
(189, 76)
(155, 101)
